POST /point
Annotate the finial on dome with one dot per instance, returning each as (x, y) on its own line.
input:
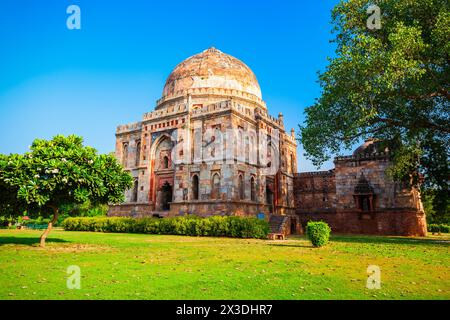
(212, 49)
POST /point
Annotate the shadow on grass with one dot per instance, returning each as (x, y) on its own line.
(27, 240)
(389, 240)
(355, 238)
(290, 245)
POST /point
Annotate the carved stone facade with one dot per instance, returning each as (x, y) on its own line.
(357, 196)
(210, 147)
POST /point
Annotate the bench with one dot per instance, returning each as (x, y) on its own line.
(276, 236)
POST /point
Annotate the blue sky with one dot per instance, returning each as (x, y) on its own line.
(55, 80)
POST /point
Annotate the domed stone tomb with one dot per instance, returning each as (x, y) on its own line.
(209, 147)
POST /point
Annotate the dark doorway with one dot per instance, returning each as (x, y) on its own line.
(364, 203)
(166, 162)
(252, 189)
(293, 225)
(241, 187)
(166, 196)
(269, 197)
(195, 187)
(134, 196)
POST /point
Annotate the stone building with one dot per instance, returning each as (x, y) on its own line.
(357, 196)
(210, 147)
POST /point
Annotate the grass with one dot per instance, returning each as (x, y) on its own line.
(135, 266)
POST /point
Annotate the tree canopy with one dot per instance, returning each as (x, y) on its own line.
(390, 84)
(60, 172)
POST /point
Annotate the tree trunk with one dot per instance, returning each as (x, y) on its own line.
(49, 227)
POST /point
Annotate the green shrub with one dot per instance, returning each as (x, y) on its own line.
(434, 228)
(6, 220)
(217, 226)
(438, 228)
(38, 221)
(61, 217)
(318, 233)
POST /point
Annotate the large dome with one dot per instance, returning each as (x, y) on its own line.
(212, 69)
(370, 147)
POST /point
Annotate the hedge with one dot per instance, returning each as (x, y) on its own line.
(318, 233)
(438, 228)
(38, 221)
(217, 226)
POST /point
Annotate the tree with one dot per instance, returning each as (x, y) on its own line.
(8, 204)
(391, 84)
(429, 202)
(60, 172)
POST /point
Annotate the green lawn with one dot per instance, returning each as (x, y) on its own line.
(134, 266)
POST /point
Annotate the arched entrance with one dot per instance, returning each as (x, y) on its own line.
(166, 196)
(161, 173)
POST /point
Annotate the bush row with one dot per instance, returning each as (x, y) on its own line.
(437, 228)
(38, 221)
(219, 226)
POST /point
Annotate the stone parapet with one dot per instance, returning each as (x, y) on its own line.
(328, 173)
(169, 111)
(211, 91)
(126, 128)
(363, 156)
(212, 108)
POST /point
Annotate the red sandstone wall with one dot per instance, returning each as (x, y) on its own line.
(398, 210)
(405, 223)
(131, 210)
(315, 191)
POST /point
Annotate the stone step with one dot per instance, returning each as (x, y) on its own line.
(277, 224)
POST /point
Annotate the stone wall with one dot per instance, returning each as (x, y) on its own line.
(396, 208)
(315, 191)
(387, 194)
(387, 222)
(131, 210)
(214, 207)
